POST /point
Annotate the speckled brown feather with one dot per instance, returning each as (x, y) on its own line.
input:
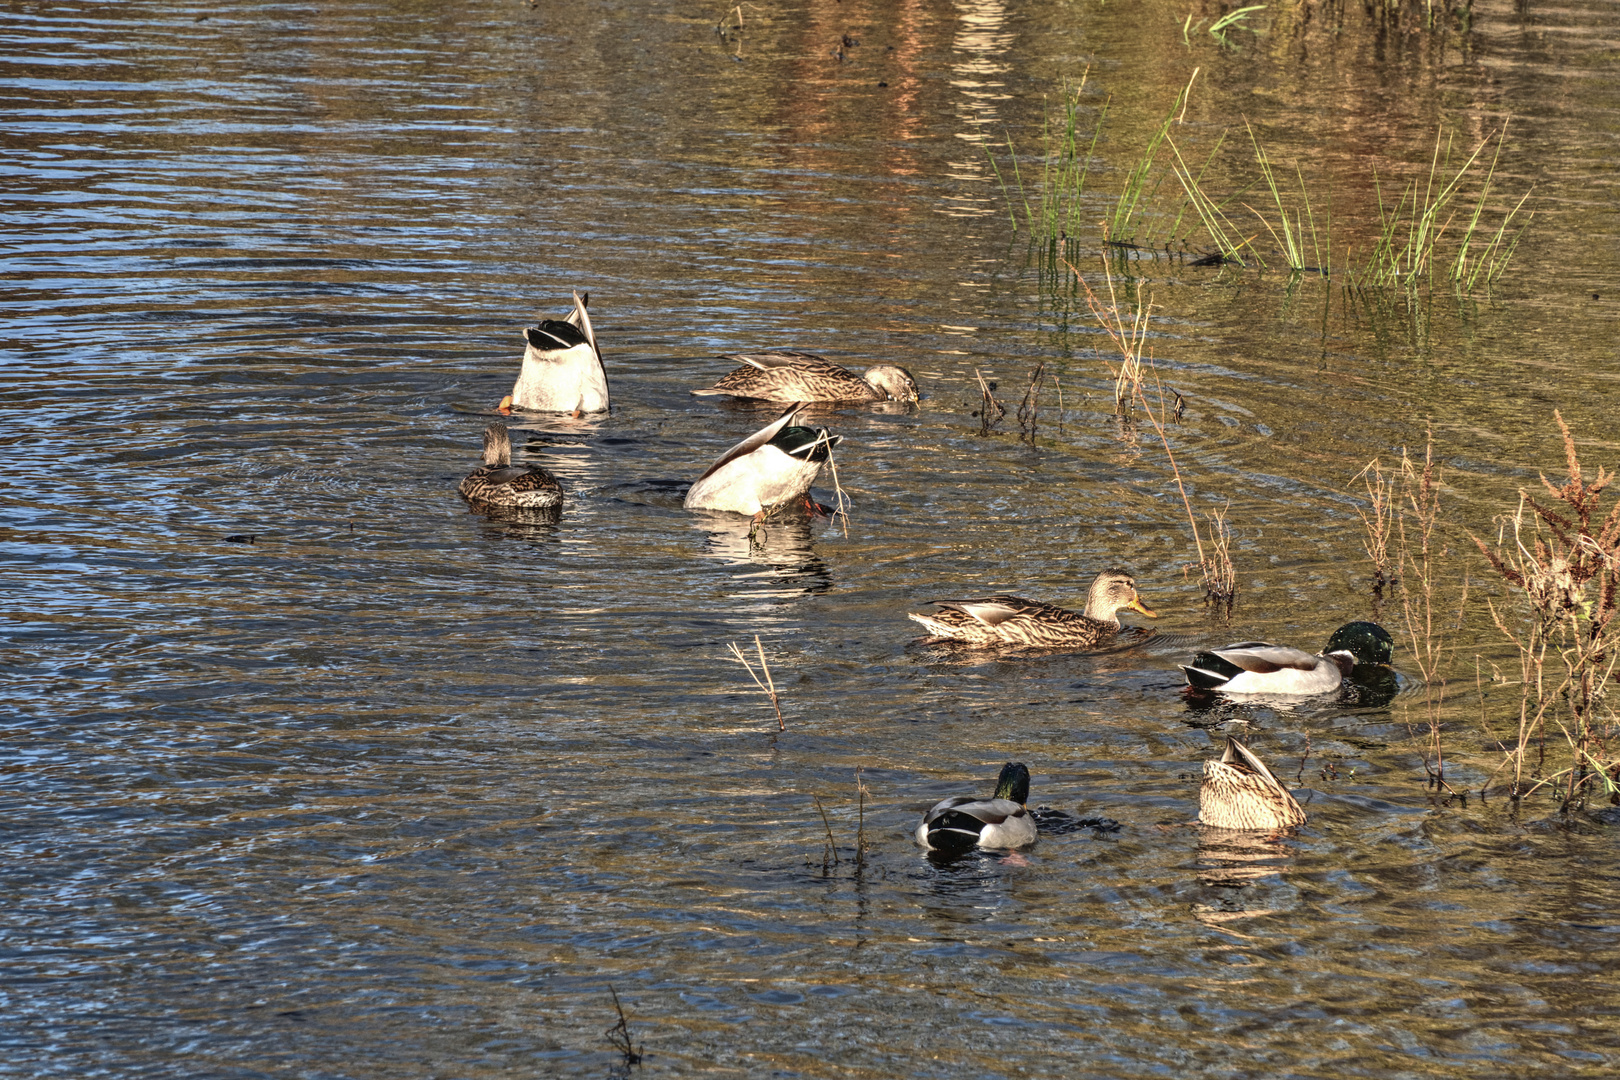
(1239, 792)
(790, 375)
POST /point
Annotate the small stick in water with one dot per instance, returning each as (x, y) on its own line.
(766, 687)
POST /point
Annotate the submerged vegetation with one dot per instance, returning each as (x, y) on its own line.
(1446, 225)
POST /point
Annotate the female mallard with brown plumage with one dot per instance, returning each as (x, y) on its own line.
(1012, 620)
(792, 375)
(500, 483)
(1239, 792)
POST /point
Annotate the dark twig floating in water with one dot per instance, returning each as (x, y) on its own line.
(619, 1035)
(989, 402)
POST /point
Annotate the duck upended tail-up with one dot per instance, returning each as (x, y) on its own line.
(771, 467)
(562, 366)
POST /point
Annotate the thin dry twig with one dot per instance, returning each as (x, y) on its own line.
(1030, 406)
(619, 1034)
(989, 403)
(830, 852)
(766, 687)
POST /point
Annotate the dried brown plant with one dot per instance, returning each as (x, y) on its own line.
(1564, 558)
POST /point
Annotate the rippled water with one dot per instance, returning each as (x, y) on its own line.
(396, 790)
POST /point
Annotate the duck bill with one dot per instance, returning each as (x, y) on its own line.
(1136, 605)
(505, 407)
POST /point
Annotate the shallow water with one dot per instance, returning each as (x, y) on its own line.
(397, 790)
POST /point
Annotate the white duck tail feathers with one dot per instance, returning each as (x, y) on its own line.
(771, 467)
(562, 367)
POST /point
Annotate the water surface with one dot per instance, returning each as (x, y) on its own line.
(396, 790)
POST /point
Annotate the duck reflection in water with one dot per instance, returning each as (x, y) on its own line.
(1246, 813)
(782, 545)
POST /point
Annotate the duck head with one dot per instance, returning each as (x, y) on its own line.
(892, 380)
(1111, 592)
(1364, 643)
(497, 447)
(1013, 783)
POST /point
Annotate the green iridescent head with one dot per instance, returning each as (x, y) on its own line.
(1368, 642)
(1013, 783)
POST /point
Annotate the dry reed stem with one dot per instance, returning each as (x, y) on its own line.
(860, 831)
(838, 490)
(1566, 625)
(1128, 340)
(1030, 406)
(831, 850)
(989, 403)
(766, 687)
(619, 1034)
(1379, 521)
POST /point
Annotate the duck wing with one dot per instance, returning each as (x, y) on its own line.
(958, 823)
(780, 358)
(758, 439)
(995, 610)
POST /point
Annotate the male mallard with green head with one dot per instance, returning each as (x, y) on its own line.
(962, 822)
(1256, 667)
(562, 367)
(1012, 620)
(500, 483)
(773, 466)
(792, 375)
(1239, 792)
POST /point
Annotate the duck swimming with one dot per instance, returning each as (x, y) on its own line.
(500, 483)
(1257, 667)
(562, 367)
(792, 375)
(963, 822)
(1239, 792)
(771, 467)
(1012, 620)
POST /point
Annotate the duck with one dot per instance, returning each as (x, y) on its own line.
(1258, 667)
(770, 468)
(1012, 620)
(500, 483)
(1002, 821)
(794, 375)
(562, 367)
(1239, 792)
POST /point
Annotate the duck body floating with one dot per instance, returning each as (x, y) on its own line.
(1258, 667)
(500, 483)
(562, 367)
(1012, 620)
(793, 375)
(771, 467)
(964, 822)
(1239, 792)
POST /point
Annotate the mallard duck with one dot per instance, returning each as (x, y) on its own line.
(1239, 792)
(1012, 620)
(500, 483)
(562, 367)
(1001, 821)
(773, 466)
(791, 375)
(1255, 667)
